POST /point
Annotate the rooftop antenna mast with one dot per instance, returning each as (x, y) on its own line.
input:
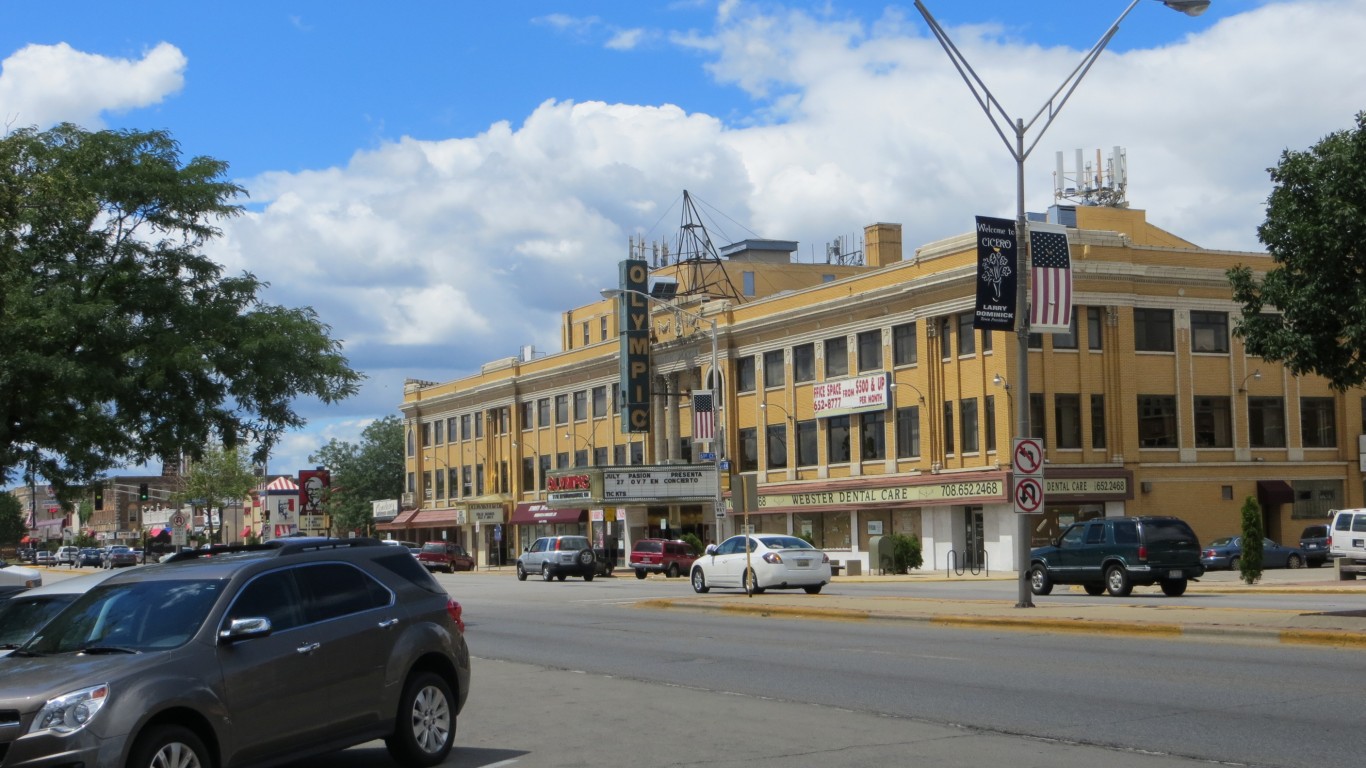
(706, 271)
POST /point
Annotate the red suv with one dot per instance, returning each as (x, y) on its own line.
(670, 558)
(444, 556)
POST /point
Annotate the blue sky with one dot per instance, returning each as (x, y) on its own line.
(441, 179)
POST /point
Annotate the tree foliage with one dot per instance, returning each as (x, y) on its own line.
(12, 527)
(362, 473)
(218, 479)
(1250, 546)
(120, 342)
(1309, 311)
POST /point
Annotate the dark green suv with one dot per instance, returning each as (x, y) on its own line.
(1117, 553)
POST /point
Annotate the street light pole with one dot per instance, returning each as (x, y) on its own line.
(719, 502)
(1018, 129)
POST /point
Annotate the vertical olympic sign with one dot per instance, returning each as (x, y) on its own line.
(633, 325)
(1027, 489)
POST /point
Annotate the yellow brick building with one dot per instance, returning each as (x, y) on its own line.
(865, 404)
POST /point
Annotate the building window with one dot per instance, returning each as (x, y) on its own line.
(528, 413)
(989, 420)
(908, 432)
(1213, 422)
(1209, 332)
(744, 373)
(465, 427)
(837, 440)
(545, 472)
(1097, 421)
(466, 481)
(412, 482)
(946, 338)
(561, 409)
(967, 422)
(600, 454)
(1094, 337)
(602, 327)
(1067, 418)
(966, 338)
(1038, 425)
(581, 405)
(1318, 427)
(479, 425)
(438, 432)
(804, 363)
(585, 334)
(869, 351)
(1067, 340)
(948, 428)
(452, 429)
(1266, 422)
(904, 349)
(775, 446)
(411, 438)
(749, 449)
(836, 357)
(426, 434)
(619, 455)
(873, 435)
(440, 483)
(1156, 421)
(479, 480)
(986, 342)
(748, 279)
(581, 457)
(453, 480)
(543, 412)
(807, 443)
(528, 472)
(562, 460)
(1153, 330)
(599, 402)
(773, 368)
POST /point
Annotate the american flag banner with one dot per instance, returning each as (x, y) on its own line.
(703, 416)
(1050, 310)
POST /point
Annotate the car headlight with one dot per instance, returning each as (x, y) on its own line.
(71, 712)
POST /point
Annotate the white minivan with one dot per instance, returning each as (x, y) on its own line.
(1347, 535)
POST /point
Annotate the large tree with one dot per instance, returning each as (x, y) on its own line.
(120, 342)
(370, 471)
(1309, 311)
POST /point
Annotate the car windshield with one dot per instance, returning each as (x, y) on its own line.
(21, 616)
(784, 542)
(648, 546)
(129, 617)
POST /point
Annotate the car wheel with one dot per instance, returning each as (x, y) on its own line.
(751, 583)
(1117, 581)
(1094, 590)
(545, 572)
(169, 746)
(587, 576)
(1040, 583)
(586, 557)
(1294, 561)
(1233, 563)
(699, 582)
(814, 589)
(424, 729)
(1174, 587)
(673, 571)
(640, 573)
(521, 572)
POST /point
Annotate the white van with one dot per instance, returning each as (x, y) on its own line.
(69, 556)
(1347, 541)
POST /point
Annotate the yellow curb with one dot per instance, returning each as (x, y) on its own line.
(1334, 638)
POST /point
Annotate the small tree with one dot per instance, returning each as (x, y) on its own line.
(1250, 558)
(694, 542)
(906, 552)
(220, 478)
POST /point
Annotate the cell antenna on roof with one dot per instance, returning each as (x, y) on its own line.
(1104, 183)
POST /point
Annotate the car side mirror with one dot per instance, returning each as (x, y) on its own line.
(711, 549)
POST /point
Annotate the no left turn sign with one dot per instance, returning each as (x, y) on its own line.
(1028, 457)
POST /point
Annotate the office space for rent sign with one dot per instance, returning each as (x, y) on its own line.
(853, 395)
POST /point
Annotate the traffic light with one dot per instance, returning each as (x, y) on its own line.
(142, 492)
(99, 499)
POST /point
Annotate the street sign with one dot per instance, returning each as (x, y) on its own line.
(178, 526)
(1028, 495)
(708, 456)
(1028, 457)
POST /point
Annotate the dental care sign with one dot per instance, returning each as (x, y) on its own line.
(844, 396)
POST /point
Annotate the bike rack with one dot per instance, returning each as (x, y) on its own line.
(977, 569)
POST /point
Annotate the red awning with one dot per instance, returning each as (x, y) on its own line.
(431, 518)
(399, 522)
(537, 513)
(1274, 492)
(26, 540)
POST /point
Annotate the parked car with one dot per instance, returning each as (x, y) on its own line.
(17, 578)
(1116, 553)
(1227, 551)
(558, 557)
(44, 557)
(670, 558)
(775, 561)
(24, 613)
(90, 556)
(445, 556)
(91, 691)
(68, 555)
(25, 554)
(1314, 543)
(1347, 533)
(119, 557)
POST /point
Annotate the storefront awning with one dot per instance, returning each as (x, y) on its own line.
(1274, 492)
(398, 523)
(537, 513)
(434, 518)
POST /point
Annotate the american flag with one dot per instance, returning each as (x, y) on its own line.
(1051, 275)
(703, 416)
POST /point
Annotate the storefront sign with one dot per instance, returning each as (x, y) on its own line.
(383, 509)
(861, 393)
(633, 325)
(693, 482)
(1086, 486)
(912, 495)
(487, 515)
(573, 486)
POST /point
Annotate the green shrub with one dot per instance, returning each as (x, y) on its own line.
(1250, 559)
(693, 542)
(906, 552)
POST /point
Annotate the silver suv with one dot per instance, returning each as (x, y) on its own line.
(242, 655)
(557, 557)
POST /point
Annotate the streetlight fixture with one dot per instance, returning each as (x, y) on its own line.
(720, 452)
(1018, 128)
(1255, 375)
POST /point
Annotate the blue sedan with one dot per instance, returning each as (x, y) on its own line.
(1226, 552)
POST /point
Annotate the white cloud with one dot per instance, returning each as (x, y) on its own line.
(47, 84)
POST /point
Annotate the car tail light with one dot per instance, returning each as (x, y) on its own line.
(772, 557)
(457, 614)
(825, 558)
(1142, 552)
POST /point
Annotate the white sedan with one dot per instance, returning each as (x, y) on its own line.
(776, 561)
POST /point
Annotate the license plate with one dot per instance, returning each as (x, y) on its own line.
(1176, 574)
(803, 563)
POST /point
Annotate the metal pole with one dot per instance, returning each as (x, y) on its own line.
(1023, 530)
(718, 508)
